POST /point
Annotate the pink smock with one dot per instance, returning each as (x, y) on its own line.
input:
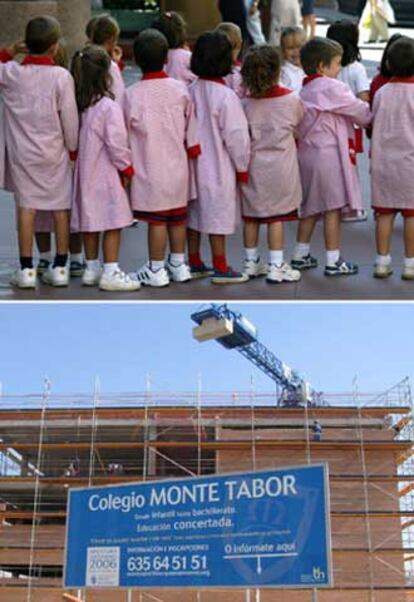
(178, 66)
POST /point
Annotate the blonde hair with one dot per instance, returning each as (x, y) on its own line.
(233, 32)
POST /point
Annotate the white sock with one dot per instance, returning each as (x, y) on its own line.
(93, 264)
(76, 257)
(176, 259)
(332, 257)
(47, 256)
(302, 249)
(409, 262)
(276, 258)
(383, 260)
(156, 265)
(110, 268)
(252, 254)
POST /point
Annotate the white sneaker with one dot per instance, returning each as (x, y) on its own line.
(58, 276)
(179, 273)
(147, 277)
(119, 281)
(254, 268)
(91, 276)
(282, 273)
(407, 273)
(24, 278)
(382, 271)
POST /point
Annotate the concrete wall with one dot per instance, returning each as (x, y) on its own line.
(72, 14)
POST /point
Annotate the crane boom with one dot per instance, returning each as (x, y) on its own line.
(233, 331)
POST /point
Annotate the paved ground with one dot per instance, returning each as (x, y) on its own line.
(358, 245)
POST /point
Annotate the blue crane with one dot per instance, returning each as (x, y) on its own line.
(233, 331)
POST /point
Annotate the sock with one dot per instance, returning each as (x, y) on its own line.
(220, 263)
(383, 260)
(409, 262)
(60, 260)
(276, 257)
(252, 254)
(93, 264)
(26, 263)
(110, 268)
(176, 259)
(332, 257)
(156, 265)
(78, 257)
(302, 249)
(46, 256)
(195, 260)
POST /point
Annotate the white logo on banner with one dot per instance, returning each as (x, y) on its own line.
(103, 567)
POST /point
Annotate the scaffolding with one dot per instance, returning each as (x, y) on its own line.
(50, 443)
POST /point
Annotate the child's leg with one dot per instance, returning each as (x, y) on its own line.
(302, 259)
(61, 221)
(383, 233)
(275, 241)
(177, 267)
(91, 244)
(218, 251)
(26, 219)
(157, 245)
(111, 244)
(43, 242)
(193, 245)
(408, 272)
(75, 243)
(252, 265)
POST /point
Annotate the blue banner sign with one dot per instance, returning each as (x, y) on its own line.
(255, 529)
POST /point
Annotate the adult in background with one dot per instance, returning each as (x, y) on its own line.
(283, 13)
(235, 12)
(254, 22)
(375, 18)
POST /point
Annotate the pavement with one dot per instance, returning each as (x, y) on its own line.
(358, 245)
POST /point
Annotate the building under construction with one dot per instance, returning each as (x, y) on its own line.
(49, 444)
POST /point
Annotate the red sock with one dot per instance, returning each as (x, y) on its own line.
(195, 260)
(220, 263)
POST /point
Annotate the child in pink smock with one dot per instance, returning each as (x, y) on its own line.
(273, 194)
(163, 135)
(234, 79)
(41, 131)
(225, 158)
(392, 158)
(103, 169)
(326, 153)
(173, 27)
(105, 33)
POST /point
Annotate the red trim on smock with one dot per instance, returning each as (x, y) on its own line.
(309, 78)
(393, 211)
(154, 75)
(128, 172)
(216, 80)
(169, 217)
(401, 80)
(5, 56)
(242, 177)
(31, 59)
(194, 151)
(287, 217)
(73, 155)
(277, 91)
(352, 151)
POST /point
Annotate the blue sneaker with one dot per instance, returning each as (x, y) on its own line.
(341, 268)
(228, 277)
(201, 271)
(304, 263)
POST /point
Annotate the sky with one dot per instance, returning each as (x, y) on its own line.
(329, 344)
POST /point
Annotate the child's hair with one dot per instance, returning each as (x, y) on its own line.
(104, 29)
(150, 50)
(261, 69)
(41, 34)
(233, 32)
(212, 55)
(90, 70)
(91, 25)
(401, 57)
(317, 51)
(173, 26)
(384, 68)
(346, 33)
(290, 31)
